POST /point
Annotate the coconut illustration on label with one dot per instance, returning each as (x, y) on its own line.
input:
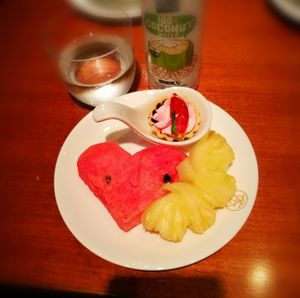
(172, 59)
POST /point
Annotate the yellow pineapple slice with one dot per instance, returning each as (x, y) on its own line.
(206, 168)
(186, 171)
(183, 208)
(167, 216)
(211, 152)
(217, 186)
(204, 186)
(200, 212)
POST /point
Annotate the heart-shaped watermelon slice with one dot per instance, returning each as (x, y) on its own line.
(126, 184)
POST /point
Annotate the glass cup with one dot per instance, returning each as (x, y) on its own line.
(94, 57)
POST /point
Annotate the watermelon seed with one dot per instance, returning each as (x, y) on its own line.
(167, 178)
(107, 179)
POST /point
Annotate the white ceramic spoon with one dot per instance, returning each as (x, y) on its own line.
(137, 118)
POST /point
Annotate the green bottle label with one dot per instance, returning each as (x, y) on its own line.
(169, 26)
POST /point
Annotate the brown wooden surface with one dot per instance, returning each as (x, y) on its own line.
(250, 67)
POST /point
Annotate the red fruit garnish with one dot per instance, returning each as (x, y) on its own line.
(179, 115)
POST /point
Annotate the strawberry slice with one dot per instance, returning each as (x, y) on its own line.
(179, 114)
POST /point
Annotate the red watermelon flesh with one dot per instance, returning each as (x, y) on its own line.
(98, 164)
(134, 181)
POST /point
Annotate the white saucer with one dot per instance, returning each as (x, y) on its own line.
(96, 9)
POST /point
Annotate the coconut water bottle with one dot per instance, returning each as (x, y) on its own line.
(172, 37)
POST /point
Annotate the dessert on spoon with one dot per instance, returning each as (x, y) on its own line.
(176, 116)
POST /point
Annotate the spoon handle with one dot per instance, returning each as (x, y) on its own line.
(114, 110)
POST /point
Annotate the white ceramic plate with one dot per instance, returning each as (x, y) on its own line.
(96, 9)
(93, 226)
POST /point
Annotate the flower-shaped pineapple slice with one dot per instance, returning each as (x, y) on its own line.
(167, 216)
(206, 168)
(217, 186)
(200, 212)
(172, 214)
(211, 152)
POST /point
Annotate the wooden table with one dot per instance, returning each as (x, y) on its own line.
(250, 66)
